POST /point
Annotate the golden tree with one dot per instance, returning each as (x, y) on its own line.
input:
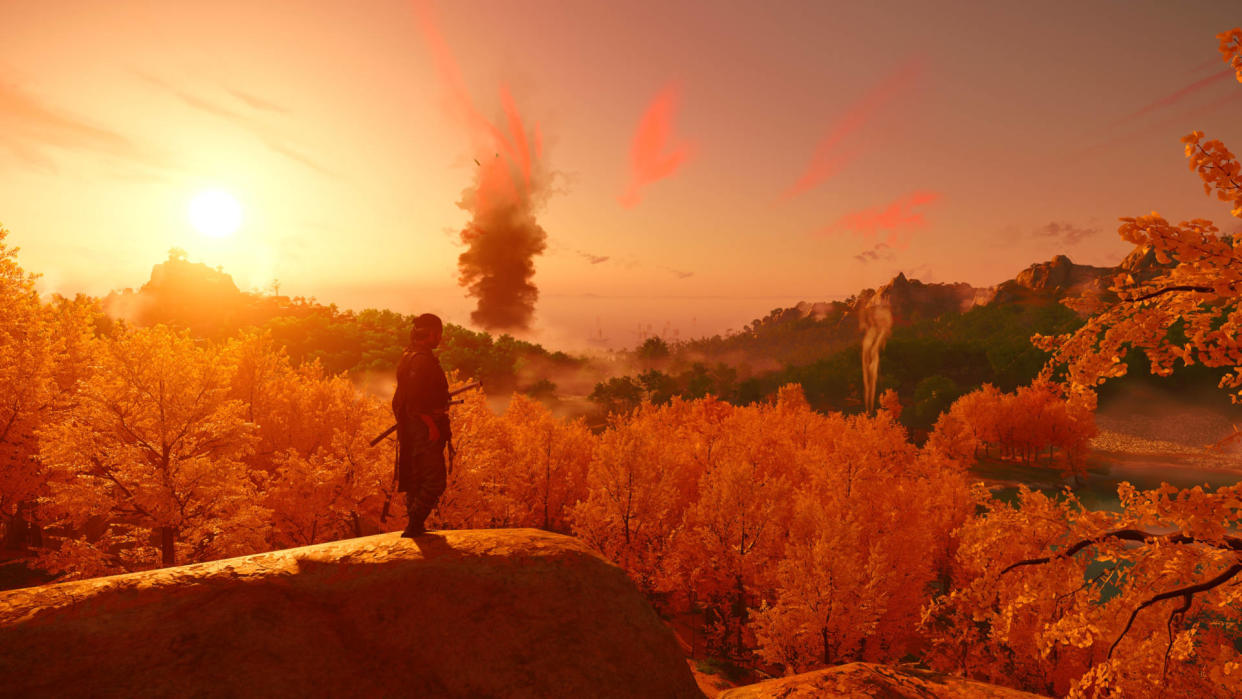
(44, 351)
(146, 467)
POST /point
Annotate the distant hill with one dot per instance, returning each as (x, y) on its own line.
(947, 339)
(207, 302)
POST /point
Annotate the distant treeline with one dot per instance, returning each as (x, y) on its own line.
(929, 363)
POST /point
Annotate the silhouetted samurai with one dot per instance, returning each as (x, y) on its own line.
(420, 405)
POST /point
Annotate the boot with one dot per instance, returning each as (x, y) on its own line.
(412, 530)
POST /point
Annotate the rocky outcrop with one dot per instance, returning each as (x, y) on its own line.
(912, 300)
(867, 680)
(513, 613)
(1054, 280)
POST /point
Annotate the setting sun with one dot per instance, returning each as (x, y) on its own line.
(215, 213)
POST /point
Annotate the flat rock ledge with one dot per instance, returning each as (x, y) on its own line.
(476, 613)
(859, 680)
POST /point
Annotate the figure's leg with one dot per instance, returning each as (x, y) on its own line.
(431, 484)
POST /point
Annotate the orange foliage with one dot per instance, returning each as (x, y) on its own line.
(868, 542)
(1021, 425)
(1058, 624)
(146, 466)
(1191, 312)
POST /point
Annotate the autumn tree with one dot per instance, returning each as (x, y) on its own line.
(643, 476)
(735, 522)
(146, 467)
(44, 351)
(1142, 602)
(868, 542)
(1051, 597)
(548, 465)
(1188, 314)
(312, 462)
(1021, 425)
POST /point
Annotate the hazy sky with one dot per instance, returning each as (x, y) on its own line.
(789, 150)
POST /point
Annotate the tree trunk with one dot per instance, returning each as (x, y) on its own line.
(168, 549)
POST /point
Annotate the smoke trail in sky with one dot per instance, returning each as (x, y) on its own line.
(833, 151)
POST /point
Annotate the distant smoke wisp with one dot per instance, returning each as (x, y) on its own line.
(653, 155)
(510, 186)
(876, 321)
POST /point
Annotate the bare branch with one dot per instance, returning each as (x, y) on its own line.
(1170, 289)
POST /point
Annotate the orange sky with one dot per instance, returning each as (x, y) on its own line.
(725, 158)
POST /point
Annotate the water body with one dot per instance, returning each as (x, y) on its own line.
(1105, 471)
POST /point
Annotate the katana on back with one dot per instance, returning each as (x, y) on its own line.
(463, 389)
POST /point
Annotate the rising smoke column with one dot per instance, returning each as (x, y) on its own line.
(503, 237)
(876, 321)
(510, 186)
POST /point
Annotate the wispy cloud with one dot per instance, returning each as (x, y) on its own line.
(876, 253)
(897, 219)
(833, 151)
(267, 135)
(593, 259)
(30, 126)
(256, 102)
(1066, 233)
(653, 154)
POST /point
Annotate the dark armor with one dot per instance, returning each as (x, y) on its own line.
(420, 405)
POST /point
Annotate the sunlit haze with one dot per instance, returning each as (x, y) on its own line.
(683, 167)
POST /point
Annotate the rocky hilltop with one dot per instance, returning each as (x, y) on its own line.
(1053, 281)
(484, 613)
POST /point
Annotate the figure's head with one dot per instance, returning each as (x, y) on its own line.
(427, 331)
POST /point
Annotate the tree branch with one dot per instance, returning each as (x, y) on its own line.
(1186, 592)
(1166, 290)
(1230, 542)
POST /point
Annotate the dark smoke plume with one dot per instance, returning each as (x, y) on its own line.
(510, 185)
(502, 239)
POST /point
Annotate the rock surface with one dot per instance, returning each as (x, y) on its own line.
(867, 680)
(513, 613)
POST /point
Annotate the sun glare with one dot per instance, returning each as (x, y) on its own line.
(215, 213)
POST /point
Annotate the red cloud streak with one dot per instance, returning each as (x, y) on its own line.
(829, 157)
(650, 155)
(895, 218)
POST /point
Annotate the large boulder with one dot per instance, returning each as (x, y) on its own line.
(867, 680)
(485, 613)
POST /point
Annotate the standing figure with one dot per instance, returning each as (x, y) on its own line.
(420, 405)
